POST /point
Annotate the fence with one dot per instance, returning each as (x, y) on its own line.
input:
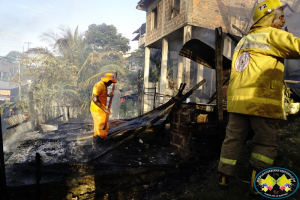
(154, 101)
(67, 111)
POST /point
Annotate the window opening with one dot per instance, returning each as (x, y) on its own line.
(175, 8)
(154, 18)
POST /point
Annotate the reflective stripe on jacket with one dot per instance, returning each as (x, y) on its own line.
(256, 81)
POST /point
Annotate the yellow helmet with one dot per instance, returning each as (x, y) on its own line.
(265, 8)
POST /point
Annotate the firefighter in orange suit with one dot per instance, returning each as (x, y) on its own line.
(98, 107)
(255, 99)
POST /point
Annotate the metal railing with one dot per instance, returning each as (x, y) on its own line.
(155, 96)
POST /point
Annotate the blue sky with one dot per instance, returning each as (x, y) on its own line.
(23, 21)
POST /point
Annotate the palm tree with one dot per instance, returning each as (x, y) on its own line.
(66, 73)
(70, 46)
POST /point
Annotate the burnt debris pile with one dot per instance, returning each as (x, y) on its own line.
(138, 163)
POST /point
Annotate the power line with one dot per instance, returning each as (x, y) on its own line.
(9, 46)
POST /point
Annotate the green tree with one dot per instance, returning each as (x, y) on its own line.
(53, 79)
(12, 57)
(105, 37)
(11, 61)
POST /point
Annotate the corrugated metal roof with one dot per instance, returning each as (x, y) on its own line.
(141, 30)
(143, 4)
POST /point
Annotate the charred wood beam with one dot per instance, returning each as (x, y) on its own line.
(179, 94)
(136, 132)
(139, 121)
(175, 103)
(219, 77)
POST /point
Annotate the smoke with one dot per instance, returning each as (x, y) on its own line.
(11, 141)
(13, 137)
(115, 105)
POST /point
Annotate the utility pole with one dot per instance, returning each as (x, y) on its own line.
(28, 44)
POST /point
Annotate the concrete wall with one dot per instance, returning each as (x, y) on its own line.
(165, 24)
(203, 13)
(211, 14)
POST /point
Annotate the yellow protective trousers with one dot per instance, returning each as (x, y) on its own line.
(264, 147)
(99, 120)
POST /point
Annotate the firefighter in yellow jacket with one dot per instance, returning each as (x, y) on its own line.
(255, 97)
(98, 107)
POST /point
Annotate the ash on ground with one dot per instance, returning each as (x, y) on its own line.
(144, 168)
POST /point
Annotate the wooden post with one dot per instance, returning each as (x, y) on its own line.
(68, 113)
(154, 98)
(219, 78)
(143, 100)
(139, 93)
(3, 186)
(31, 110)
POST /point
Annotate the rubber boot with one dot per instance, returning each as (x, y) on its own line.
(100, 143)
(253, 175)
(94, 143)
(223, 181)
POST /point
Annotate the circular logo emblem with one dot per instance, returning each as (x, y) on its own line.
(112, 76)
(276, 183)
(242, 62)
